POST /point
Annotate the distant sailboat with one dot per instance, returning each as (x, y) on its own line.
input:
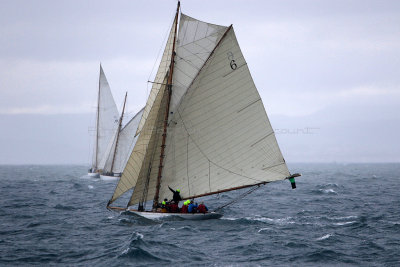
(107, 119)
(204, 128)
(121, 147)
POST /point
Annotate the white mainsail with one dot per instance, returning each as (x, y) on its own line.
(126, 142)
(106, 123)
(218, 137)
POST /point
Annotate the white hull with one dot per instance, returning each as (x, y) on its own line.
(109, 178)
(185, 216)
(93, 174)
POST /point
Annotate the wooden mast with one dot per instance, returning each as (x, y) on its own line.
(169, 88)
(97, 123)
(119, 130)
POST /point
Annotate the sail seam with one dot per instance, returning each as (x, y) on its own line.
(255, 101)
(229, 73)
(266, 168)
(261, 139)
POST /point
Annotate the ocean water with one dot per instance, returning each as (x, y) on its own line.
(339, 215)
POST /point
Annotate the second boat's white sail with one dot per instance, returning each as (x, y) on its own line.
(126, 142)
(106, 122)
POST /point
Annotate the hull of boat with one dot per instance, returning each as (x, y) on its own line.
(93, 174)
(109, 178)
(186, 216)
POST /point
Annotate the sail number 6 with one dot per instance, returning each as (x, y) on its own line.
(232, 63)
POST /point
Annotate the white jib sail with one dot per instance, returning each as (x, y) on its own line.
(220, 136)
(107, 122)
(126, 142)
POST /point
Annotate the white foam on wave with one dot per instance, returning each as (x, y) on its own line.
(125, 251)
(228, 219)
(344, 218)
(90, 186)
(344, 223)
(328, 191)
(324, 237)
(139, 235)
(263, 229)
(285, 220)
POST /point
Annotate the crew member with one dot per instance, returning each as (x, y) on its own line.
(192, 208)
(202, 208)
(184, 208)
(177, 196)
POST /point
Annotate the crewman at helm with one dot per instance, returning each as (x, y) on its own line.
(177, 196)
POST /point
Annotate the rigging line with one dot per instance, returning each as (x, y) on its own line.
(219, 166)
(207, 36)
(238, 198)
(161, 47)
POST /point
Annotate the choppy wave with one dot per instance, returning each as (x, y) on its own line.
(50, 216)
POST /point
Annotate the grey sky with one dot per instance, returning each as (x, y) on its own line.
(329, 65)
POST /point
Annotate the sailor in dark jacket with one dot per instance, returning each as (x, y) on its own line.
(177, 196)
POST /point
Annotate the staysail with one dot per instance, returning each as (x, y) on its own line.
(218, 137)
(106, 123)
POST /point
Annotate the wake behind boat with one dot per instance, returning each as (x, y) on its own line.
(204, 128)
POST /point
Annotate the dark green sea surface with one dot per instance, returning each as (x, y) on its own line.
(338, 215)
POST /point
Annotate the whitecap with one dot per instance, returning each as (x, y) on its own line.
(139, 235)
(343, 218)
(324, 237)
(125, 251)
(228, 219)
(263, 229)
(90, 186)
(328, 191)
(344, 223)
(285, 220)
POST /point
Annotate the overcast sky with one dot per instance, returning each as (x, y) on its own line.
(333, 66)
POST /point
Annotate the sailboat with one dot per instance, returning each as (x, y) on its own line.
(106, 124)
(121, 146)
(204, 129)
